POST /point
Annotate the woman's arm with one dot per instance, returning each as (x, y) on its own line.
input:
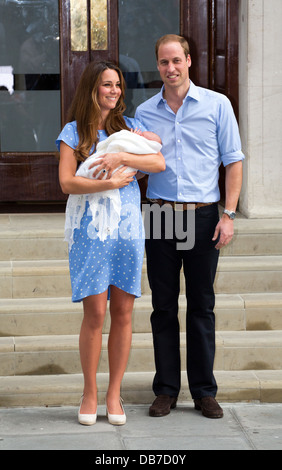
(72, 184)
(151, 163)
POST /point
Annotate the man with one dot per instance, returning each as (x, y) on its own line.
(199, 131)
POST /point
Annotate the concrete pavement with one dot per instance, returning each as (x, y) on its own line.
(245, 426)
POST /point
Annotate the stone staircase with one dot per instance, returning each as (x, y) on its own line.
(39, 325)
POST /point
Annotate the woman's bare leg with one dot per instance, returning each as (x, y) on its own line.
(121, 306)
(90, 342)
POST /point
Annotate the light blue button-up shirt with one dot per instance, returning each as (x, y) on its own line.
(203, 134)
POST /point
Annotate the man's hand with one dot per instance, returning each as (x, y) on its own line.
(225, 231)
(233, 184)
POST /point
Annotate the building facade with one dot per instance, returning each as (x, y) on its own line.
(45, 45)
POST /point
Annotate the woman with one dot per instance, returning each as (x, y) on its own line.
(103, 269)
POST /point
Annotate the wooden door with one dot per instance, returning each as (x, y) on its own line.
(28, 175)
(211, 27)
(76, 53)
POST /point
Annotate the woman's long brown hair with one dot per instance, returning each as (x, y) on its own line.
(86, 111)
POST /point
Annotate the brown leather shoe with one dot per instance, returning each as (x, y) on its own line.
(162, 405)
(209, 407)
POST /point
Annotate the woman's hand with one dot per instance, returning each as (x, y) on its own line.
(120, 178)
(72, 184)
(108, 162)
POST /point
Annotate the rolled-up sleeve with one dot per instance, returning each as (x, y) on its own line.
(229, 142)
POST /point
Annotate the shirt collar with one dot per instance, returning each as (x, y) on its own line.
(159, 97)
(192, 93)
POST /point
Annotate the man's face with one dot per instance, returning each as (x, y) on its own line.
(173, 65)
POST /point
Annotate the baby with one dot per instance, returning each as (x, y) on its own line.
(148, 135)
(136, 142)
(87, 172)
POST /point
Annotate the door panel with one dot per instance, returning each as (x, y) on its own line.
(74, 60)
(196, 28)
(211, 26)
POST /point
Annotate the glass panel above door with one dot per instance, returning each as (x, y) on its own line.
(29, 75)
(78, 24)
(99, 25)
(141, 24)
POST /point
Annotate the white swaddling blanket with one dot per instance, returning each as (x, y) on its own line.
(108, 202)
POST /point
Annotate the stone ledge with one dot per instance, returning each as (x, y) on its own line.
(55, 221)
(41, 236)
(227, 339)
(58, 315)
(50, 278)
(59, 354)
(60, 390)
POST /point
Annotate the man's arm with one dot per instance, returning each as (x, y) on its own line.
(233, 184)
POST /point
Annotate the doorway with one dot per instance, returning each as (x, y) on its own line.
(80, 31)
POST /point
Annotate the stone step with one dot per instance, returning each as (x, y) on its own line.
(59, 316)
(59, 354)
(39, 354)
(40, 236)
(50, 278)
(61, 390)
(255, 237)
(32, 236)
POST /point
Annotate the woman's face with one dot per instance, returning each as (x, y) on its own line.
(109, 91)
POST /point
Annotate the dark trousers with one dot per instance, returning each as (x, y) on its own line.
(164, 262)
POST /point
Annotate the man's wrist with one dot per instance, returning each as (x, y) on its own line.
(122, 158)
(230, 214)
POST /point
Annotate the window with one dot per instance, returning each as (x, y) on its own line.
(29, 75)
(141, 24)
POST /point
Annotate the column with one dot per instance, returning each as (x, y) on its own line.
(260, 91)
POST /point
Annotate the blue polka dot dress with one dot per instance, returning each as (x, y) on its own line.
(95, 265)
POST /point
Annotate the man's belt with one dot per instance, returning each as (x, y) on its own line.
(181, 206)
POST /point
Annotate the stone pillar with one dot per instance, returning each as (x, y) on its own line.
(260, 92)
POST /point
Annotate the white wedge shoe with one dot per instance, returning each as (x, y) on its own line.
(117, 420)
(86, 419)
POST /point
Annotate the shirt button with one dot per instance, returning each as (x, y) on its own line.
(178, 140)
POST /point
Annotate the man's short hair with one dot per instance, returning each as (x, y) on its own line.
(173, 38)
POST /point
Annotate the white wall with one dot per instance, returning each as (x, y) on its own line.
(260, 88)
